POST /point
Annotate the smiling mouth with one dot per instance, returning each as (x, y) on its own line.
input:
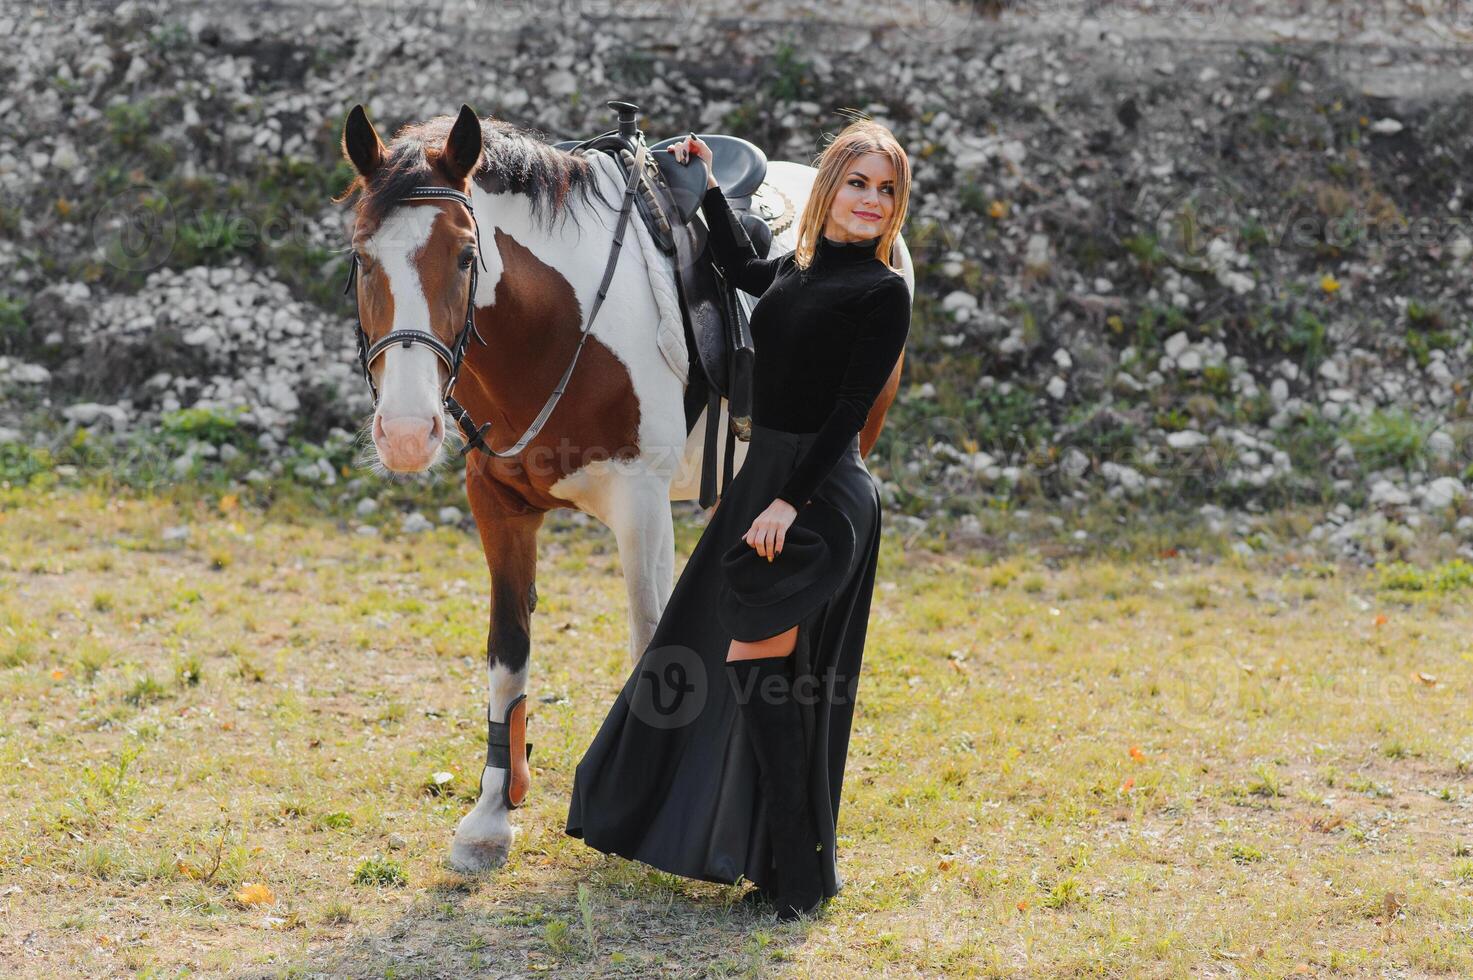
(867, 215)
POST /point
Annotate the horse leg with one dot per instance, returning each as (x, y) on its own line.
(639, 514)
(484, 836)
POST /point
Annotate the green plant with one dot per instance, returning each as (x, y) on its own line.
(380, 871)
(1245, 853)
(204, 424)
(12, 324)
(1389, 438)
(145, 690)
(585, 906)
(792, 75)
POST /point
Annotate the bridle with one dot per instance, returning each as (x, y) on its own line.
(453, 356)
(408, 338)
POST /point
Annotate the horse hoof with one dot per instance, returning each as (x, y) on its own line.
(478, 856)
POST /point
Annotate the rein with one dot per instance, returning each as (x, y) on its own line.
(452, 357)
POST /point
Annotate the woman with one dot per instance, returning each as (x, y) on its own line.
(723, 755)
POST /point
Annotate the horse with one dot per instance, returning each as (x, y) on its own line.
(444, 197)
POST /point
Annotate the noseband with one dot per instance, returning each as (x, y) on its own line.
(475, 438)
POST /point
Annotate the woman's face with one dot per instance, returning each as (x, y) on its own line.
(865, 199)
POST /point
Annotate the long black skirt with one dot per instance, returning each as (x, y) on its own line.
(670, 779)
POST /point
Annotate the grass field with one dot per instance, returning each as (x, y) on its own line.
(242, 749)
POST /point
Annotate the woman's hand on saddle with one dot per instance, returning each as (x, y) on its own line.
(770, 528)
(696, 147)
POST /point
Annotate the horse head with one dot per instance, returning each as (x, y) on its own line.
(416, 257)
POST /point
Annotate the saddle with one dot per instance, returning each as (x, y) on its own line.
(714, 316)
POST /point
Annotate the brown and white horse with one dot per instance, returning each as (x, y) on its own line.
(616, 446)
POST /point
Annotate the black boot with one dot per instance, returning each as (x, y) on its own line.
(774, 725)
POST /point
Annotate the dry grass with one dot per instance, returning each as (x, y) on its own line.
(1127, 768)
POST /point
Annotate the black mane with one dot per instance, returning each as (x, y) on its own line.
(513, 159)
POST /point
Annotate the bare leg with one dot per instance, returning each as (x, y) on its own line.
(781, 645)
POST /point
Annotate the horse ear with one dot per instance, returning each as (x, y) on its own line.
(463, 146)
(361, 143)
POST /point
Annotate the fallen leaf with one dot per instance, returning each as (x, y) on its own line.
(1128, 785)
(228, 503)
(58, 673)
(1381, 619)
(1427, 679)
(1136, 753)
(1023, 906)
(1329, 284)
(997, 210)
(1393, 903)
(1326, 824)
(255, 895)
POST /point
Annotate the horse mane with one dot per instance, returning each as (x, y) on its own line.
(512, 159)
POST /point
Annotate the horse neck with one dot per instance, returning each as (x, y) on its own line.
(537, 289)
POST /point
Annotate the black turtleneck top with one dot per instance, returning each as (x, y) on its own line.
(826, 338)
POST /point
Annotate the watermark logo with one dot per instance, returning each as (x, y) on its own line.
(135, 230)
(1186, 224)
(671, 687)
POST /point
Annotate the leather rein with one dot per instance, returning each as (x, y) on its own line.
(453, 356)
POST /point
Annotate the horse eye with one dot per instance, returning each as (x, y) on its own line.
(467, 259)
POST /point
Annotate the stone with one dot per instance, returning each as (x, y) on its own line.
(87, 414)
(448, 515)
(1074, 463)
(1387, 494)
(366, 506)
(1186, 439)
(1443, 492)
(415, 523)
(1441, 445)
(1127, 478)
(959, 305)
(28, 374)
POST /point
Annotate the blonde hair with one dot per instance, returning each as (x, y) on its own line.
(861, 136)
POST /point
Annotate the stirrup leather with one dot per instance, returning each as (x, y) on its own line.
(501, 737)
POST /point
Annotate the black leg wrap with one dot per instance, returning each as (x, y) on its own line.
(498, 749)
